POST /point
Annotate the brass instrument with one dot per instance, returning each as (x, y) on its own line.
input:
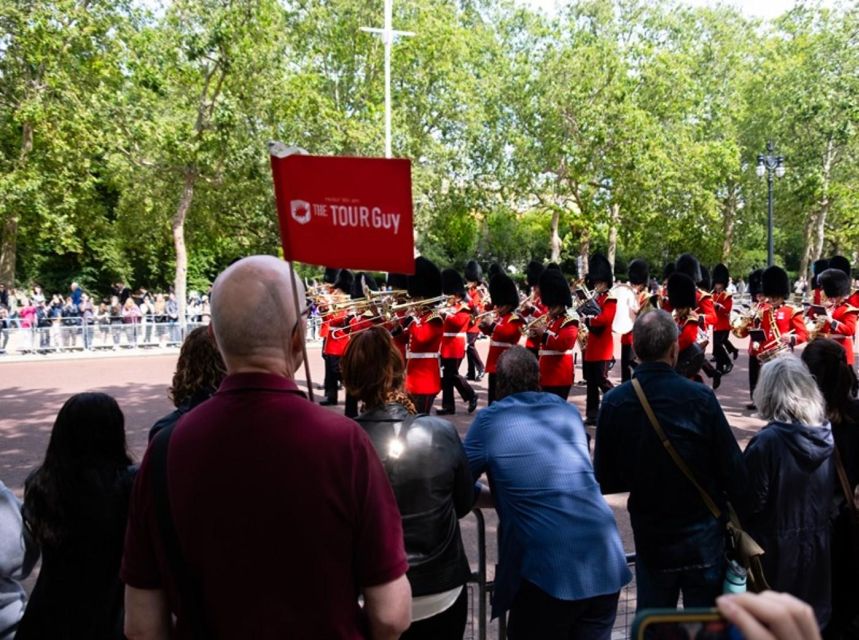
(743, 322)
(418, 303)
(589, 305)
(534, 323)
(775, 347)
(582, 337)
(814, 326)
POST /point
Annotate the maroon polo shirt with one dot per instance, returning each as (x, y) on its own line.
(282, 509)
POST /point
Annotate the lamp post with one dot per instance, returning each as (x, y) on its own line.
(769, 165)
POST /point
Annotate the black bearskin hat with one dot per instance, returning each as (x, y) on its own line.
(638, 272)
(426, 283)
(473, 272)
(452, 283)
(532, 273)
(599, 270)
(835, 283)
(554, 290)
(494, 270)
(397, 281)
(502, 291)
(344, 281)
(755, 283)
(774, 282)
(330, 276)
(818, 267)
(358, 284)
(721, 275)
(705, 283)
(840, 262)
(667, 270)
(681, 291)
(688, 264)
(553, 265)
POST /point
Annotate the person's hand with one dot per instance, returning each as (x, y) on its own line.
(769, 616)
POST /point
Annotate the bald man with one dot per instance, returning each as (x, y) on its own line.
(282, 512)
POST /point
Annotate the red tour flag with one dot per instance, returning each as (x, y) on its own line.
(347, 212)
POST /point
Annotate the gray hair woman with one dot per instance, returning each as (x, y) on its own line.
(792, 477)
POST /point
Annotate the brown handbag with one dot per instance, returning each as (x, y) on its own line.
(852, 512)
(748, 552)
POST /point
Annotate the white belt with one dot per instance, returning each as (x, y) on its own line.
(453, 335)
(549, 352)
(500, 345)
(413, 355)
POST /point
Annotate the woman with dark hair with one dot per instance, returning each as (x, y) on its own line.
(199, 372)
(76, 506)
(428, 470)
(836, 380)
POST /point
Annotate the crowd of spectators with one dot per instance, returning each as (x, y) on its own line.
(273, 517)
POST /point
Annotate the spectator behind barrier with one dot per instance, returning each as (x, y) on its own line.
(428, 470)
(561, 561)
(75, 505)
(281, 510)
(791, 483)
(199, 372)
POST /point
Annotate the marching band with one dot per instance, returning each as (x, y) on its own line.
(436, 318)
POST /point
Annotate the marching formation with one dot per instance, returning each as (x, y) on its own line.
(436, 317)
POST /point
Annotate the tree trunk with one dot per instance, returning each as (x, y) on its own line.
(180, 282)
(9, 243)
(556, 237)
(612, 233)
(809, 246)
(584, 252)
(815, 230)
(729, 212)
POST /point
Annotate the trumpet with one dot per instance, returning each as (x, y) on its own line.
(418, 303)
(742, 323)
(589, 305)
(531, 325)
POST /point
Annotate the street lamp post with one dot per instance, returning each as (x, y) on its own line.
(770, 165)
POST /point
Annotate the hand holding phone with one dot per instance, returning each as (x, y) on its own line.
(769, 616)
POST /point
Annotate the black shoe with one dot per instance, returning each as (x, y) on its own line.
(728, 368)
(717, 379)
(480, 376)
(472, 404)
(751, 406)
(328, 402)
(470, 377)
(444, 412)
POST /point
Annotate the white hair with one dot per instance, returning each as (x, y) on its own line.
(787, 392)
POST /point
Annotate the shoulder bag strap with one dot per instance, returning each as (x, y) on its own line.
(845, 483)
(717, 513)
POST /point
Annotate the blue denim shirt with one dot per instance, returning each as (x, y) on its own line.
(556, 529)
(672, 526)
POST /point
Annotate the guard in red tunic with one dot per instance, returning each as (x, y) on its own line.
(789, 320)
(688, 264)
(359, 321)
(599, 351)
(534, 307)
(505, 329)
(723, 303)
(840, 320)
(639, 277)
(457, 320)
(476, 296)
(667, 270)
(423, 374)
(681, 292)
(556, 332)
(337, 339)
(842, 263)
(817, 267)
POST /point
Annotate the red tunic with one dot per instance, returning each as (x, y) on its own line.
(338, 335)
(723, 303)
(600, 345)
(688, 330)
(556, 354)
(853, 300)
(505, 334)
(455, 327)
(663, 300)
(844, 317)
(537, 309)
(817, 296)
(475, 301)
(423, 376)
(705, 308)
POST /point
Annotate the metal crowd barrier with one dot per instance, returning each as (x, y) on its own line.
(481, 590)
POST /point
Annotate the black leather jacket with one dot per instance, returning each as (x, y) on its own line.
(429, 473)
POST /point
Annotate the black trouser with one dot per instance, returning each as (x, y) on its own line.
(754, 372)
(423, 402)
(447, 625)
(490, 392)
(475, 363)
(561, 392)
(535, 614)
(720, 349)
(451, 378)
(351, 410)
(627, 362)
(596, 373)
(332, 376)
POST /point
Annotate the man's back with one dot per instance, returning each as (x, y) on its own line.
(282, 510)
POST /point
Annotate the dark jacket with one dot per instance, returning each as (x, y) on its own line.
(672, 526)
(792, 480)
(433, 487)
(184, 407)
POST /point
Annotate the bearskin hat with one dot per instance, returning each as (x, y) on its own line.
(426, 282)
(840, 262)
(818, 267)
(502, 291)
(532, 273)
(688, 264)
(721, 275)
(599, 270)
(397, 281)
(494, 270)
(681, 291)
(343, 281)
(554, 290)
(553, 265)
(452, 283)
(330, 276)
(835, 283)
(638, 272)
(755, 283)
(704, 283)
(358, 283)
(774, 282)
(473, 272)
